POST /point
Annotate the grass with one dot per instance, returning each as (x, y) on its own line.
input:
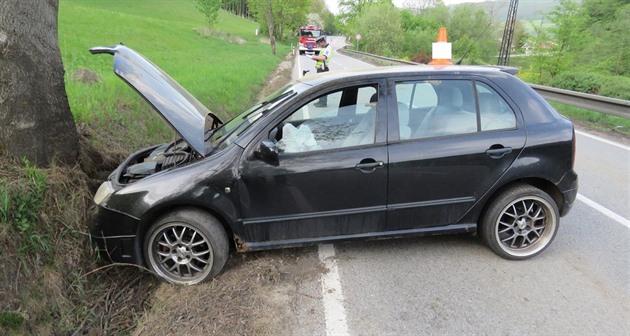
(21, 204)
(222, 74)
(11, 320)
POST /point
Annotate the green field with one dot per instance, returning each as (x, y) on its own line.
(223, 74)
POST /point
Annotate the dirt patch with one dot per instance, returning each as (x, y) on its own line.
(279, 78)
(257, 293)
(96, 163)
(87, 76)
(206, 32)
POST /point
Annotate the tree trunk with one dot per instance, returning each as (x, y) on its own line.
(35, 118)
(272, 39)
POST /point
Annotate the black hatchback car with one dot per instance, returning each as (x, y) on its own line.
(394, 152)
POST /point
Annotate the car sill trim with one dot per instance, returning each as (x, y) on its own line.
(447, 229)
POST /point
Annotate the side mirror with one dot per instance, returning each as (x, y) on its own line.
(268, 151)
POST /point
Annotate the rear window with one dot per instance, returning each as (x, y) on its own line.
(432, 108)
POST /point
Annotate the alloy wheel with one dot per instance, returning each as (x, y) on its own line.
(525, 226)
(181, 253)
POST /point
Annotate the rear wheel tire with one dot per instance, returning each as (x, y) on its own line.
(186, 247)
(520, 223)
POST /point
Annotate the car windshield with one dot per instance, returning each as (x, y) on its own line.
(225, 134)
(310, 33)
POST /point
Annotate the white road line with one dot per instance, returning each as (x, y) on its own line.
(618, 218)
(331, 293)
(606, 141)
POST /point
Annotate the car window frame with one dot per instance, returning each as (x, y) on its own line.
(336, 149)
(392, 105)
(302, 98)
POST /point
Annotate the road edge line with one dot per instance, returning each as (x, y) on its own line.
(609, 213)
(606, 141)
(332, 295)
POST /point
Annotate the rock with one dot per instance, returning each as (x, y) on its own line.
(84, 75)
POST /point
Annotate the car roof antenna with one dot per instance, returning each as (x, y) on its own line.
(472, 44)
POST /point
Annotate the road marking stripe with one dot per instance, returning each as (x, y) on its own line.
(331, 293)
(604, 210)
(595, 137)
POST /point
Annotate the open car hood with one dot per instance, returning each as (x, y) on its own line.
(180, 109)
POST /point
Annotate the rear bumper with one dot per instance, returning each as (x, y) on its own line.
(306, 48)
(569, 198)
(114, 235)
(569, 188)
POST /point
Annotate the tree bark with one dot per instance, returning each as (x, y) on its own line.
(272, 39)
(35, 118)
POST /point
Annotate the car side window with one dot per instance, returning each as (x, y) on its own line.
(494, 111)
(443, 107)
(415, 99)
(343, 118)
(333, 100)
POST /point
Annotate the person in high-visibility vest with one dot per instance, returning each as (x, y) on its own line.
(323, 60)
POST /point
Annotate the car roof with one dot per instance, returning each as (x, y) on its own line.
(403, 70)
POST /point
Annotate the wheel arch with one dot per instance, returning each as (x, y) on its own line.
(153, 214)
(545, 185)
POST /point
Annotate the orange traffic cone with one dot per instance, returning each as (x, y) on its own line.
(441, 50)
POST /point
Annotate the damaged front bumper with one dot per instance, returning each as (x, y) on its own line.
(114, 234)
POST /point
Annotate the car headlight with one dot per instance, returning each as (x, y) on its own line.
(103, 192)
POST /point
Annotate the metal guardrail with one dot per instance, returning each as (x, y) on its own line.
(617, 107)
(380, 58)
(613, 106)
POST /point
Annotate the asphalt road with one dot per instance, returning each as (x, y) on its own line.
(454, 284)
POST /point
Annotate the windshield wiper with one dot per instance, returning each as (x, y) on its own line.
(267, 102)
(211, 132)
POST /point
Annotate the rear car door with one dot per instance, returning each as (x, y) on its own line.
(330, 179)
(450, 139)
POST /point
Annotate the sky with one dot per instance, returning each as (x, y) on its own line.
(334, 7)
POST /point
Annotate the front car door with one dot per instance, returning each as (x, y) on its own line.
(450, 141)
(330, 179)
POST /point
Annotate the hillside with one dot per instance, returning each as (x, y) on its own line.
(223, 68)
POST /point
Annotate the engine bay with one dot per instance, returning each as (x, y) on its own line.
(154, 160)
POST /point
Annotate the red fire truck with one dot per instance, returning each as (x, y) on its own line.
(308, 34)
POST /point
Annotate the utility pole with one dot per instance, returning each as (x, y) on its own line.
(508, 33)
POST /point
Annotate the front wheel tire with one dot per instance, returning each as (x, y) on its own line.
(520, 223)
(186, 247)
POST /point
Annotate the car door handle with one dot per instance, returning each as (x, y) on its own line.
(498, 151)
(368, 167)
